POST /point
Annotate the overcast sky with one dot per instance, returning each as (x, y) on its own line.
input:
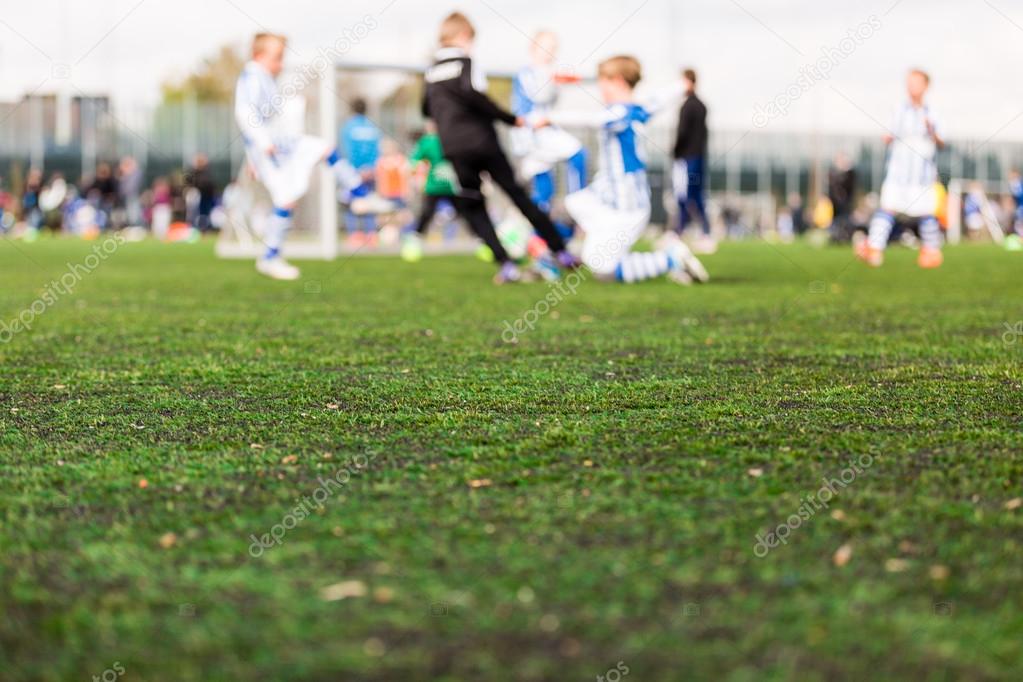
(748, 51)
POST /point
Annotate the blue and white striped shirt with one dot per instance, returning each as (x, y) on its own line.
(913, 160)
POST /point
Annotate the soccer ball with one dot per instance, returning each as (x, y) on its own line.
(515, 233)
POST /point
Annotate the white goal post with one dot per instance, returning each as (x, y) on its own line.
(985, 194)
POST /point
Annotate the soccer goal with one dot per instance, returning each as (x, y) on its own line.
(325, 100)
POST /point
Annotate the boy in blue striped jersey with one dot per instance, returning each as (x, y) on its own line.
(910, 188)
(614, 210)
(1015, 239)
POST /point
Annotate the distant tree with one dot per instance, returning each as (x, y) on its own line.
(212, 81)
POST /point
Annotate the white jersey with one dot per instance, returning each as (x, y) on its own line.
(912, 169)
(255, 106)
(534, 92)
(268, 121)
(913, 159)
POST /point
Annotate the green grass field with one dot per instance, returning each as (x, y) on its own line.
(584, 503)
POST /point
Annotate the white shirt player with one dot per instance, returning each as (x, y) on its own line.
(534, 96)
(912, 170)
(268, 121)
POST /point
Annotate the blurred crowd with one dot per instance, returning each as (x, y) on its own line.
(114, 197)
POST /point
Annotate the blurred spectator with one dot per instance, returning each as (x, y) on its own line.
(30, 211)
(161, 211)
(842, 192)
(200, 180)
(392, 173)
(5, 213)
(130, 188)
(798, 210)
(103, 193)
(360, 144)
(360, 138)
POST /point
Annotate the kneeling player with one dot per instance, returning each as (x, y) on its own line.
(614, 210)
(283, 159)
(910, 186)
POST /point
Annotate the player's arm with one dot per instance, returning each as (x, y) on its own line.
(664, 97)
(685, 127)
(596, 119)
(934, 130)
(249, 116)
(480, 102)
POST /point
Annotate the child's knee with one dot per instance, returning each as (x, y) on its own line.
(600, 261)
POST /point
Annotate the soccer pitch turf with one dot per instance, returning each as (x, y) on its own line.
(584, 503)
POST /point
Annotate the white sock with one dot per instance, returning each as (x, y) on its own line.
(930, 233)
(276, 230)
(636, 267)
(880, 230)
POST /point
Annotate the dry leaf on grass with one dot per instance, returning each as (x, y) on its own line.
(756, 472)
(842, 555)
(168, 540)
(481, 483)
(896, 565)
(1014, 504)
(349, 589)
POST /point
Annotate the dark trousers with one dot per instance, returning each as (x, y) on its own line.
(429, 211)
(690, 183)
(472, 206)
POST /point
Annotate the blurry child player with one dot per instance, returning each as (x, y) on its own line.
(360, 145)
(440, 186)
(911, 178)
(534, 96)
(281, 157)
(393, 173)
(465, 116)
(614, 211)
(1015, 240)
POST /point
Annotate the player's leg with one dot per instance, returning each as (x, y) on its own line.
(543, 190)
(412, 241)
(348, 179)
(931, 240)
(283, 193)
(471, 205)
(697, 195)
(871, 251)
(504, 177)
(577, 171)
(680, 183)
(272, 264)
(428, 213)
(609, 235)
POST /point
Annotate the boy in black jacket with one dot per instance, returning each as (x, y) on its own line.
(465, 116)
